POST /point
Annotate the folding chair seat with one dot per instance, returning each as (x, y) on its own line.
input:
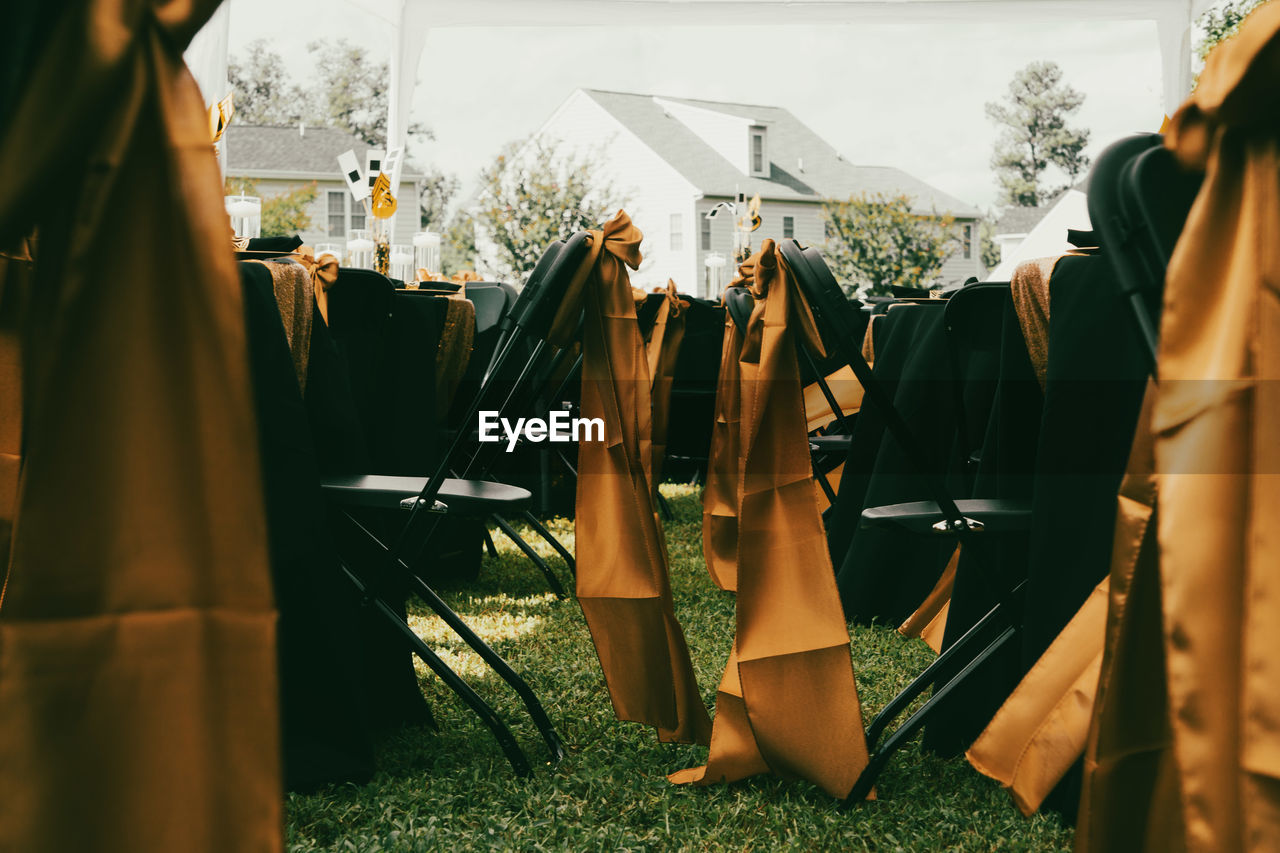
(457, 497)
(941, 517)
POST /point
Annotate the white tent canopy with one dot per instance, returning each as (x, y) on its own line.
(412, 19)
(1048, 238)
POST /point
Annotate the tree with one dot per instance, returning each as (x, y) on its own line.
(1035, 135)
(438, 189)
(1221, 24)
(283, 214)
(458, 246)
(347, 90)
(876, 242)
(987, 248)
(264, 92)
(533, 195)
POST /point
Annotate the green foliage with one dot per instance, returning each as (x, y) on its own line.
(264, 91)
(1221, 23)
(346, 90)
(1035, 136)
(452, 789)
(438, 190)
(283, 214)
(535, 194)
(875, 242)
(990, 252)
(458, 246)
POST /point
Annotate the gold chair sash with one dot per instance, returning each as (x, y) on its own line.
(662, 347)
(787, 703)
(138, 694)
(1205, 608)
(622, 584)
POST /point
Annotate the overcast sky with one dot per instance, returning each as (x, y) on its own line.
(896, 95)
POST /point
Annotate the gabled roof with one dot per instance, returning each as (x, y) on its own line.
(312, 153)
(825, 174)
(1020, 220)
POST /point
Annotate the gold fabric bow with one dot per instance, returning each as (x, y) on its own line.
(324, 274)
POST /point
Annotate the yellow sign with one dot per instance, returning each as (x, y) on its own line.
(753, 211)
(220, 116)
(383, 203)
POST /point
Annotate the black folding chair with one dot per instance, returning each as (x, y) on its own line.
(428, 500)
(822, 448)
(942, 516)
(973, 317)
(1139, 198)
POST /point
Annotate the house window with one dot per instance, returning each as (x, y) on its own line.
(706, 234)
(759, 157)
(677, 232)
(788, 226)
(342, 213)
(336, 201)
(968, 242)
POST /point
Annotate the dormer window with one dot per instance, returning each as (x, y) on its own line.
(759, 155)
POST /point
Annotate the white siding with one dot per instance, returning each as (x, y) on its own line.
(808, 230)
(653, 189)
(958, 268)
(405, 220)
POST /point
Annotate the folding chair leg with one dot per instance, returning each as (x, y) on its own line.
(507, 741)
(488, 655)
(550, 539)
(922, 682)
(825, 484)
(664, 507)
(531, 554)
(914, 723)
(488, 544)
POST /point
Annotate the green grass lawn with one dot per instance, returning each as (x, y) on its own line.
(453, 790)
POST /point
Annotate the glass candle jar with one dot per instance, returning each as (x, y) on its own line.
(246, 215)
(360, 249)
(333, 250)
(402, 264)
(426, 251)
(715, 264)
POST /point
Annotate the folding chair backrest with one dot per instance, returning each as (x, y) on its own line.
(974, 319)
(833, 310)
(493, 301)
(739, 302)
(647, 311)
(1157, 196)
(542, 294)
(1118, 225)
(532, 286)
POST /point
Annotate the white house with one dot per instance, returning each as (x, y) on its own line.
(677, 158)
(282, 159)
